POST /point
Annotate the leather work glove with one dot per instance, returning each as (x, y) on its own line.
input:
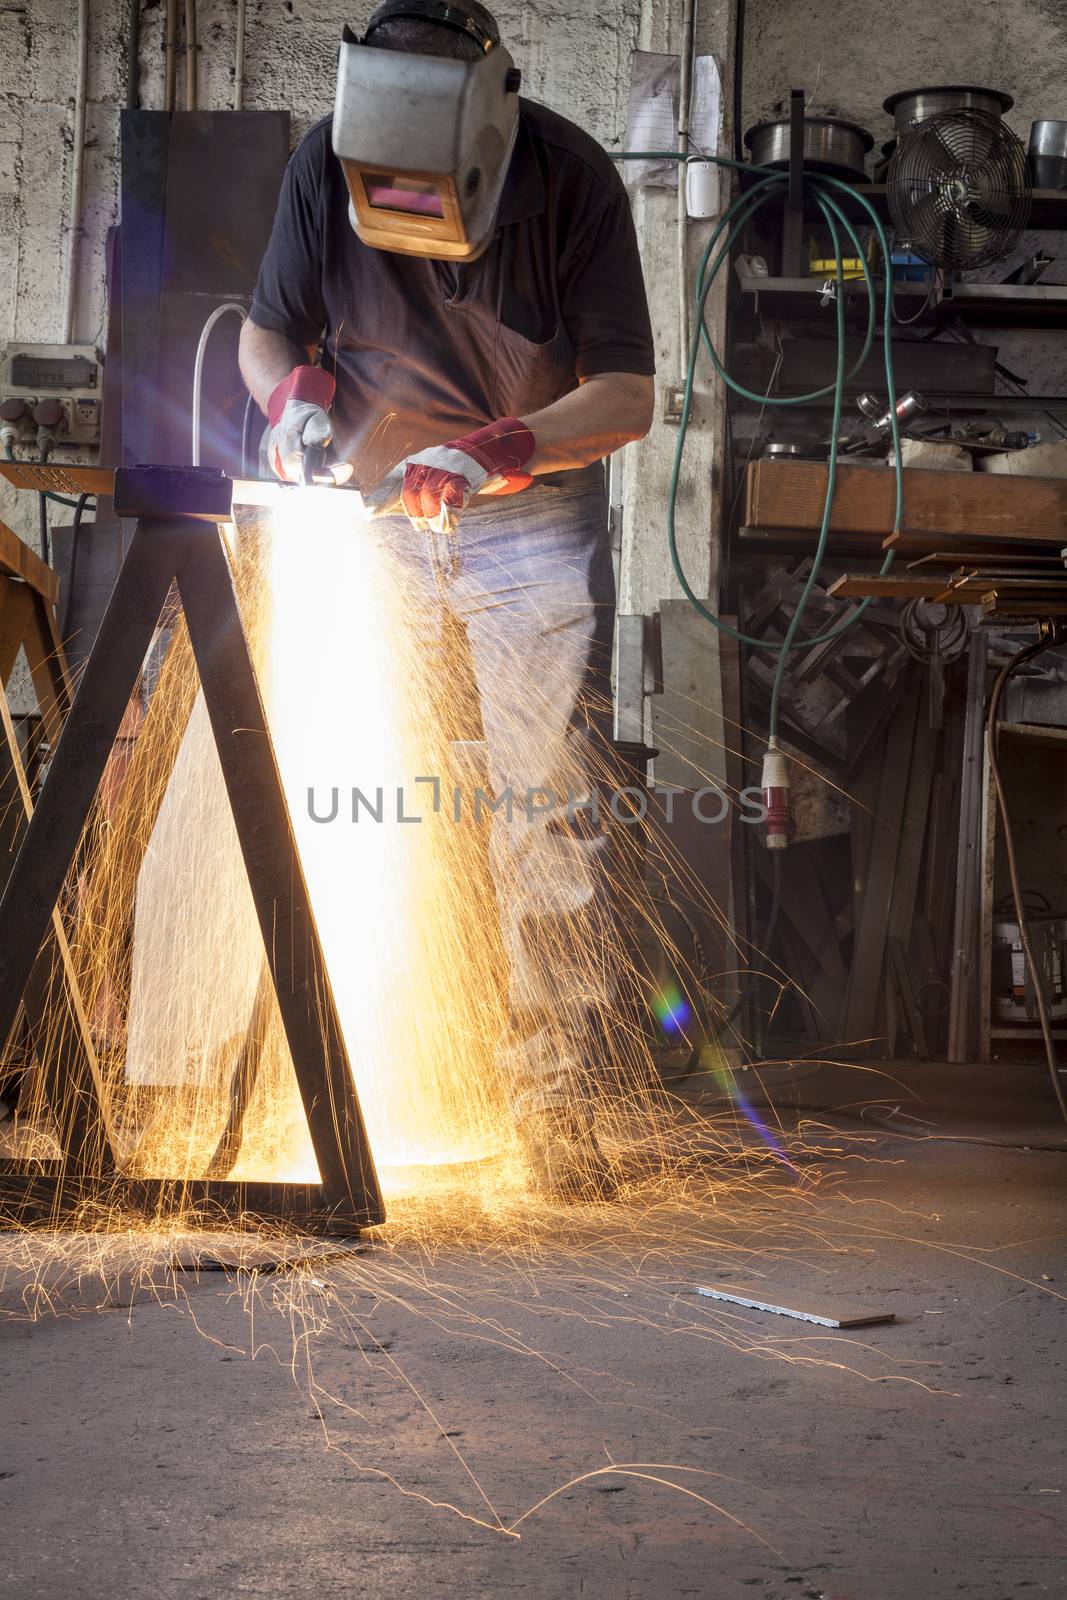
(435, 485)
(297, 413)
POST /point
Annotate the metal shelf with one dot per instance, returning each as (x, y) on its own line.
(963, 403)
(1048, 207)
(996, 304)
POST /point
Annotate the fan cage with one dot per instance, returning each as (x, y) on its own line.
(959, 190)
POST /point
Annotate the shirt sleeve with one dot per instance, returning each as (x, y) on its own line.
(602, 288)
(288, 298)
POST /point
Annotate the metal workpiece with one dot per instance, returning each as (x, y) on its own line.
(199, 493)
(203, 494)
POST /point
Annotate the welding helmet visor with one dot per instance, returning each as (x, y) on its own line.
(425, 141)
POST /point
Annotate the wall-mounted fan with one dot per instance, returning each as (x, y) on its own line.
(959, 189)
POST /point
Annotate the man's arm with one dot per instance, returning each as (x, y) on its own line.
(266, 360)
(294, 397)
(604, 413)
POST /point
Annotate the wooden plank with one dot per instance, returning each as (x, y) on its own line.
(19, 561)
(1009, 548)
(787, 540)
(858, 585)
(792, 494)
(798, 1307)
(965, 589)
(16, 609)
(73, 480)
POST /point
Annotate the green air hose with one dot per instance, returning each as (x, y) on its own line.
(769, 189)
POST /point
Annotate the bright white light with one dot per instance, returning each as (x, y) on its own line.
(348, 703)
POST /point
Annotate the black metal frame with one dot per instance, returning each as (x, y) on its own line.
(171, 544)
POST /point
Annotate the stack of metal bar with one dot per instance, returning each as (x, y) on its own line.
(1008, 584)
(975, 539)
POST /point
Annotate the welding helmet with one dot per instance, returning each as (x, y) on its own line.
(425, 141)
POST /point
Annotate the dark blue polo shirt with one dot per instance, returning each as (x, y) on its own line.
(423, 351)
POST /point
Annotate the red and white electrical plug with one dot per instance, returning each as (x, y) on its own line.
(775, 786)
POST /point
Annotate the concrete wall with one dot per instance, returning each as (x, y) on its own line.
(575, 55)
(849, 61)
(849, 58)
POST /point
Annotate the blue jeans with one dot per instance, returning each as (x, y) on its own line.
(528, 579)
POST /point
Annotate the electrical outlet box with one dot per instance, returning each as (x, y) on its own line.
(673, 396)
(73, 374)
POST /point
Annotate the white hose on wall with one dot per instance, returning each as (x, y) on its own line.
(198, 366)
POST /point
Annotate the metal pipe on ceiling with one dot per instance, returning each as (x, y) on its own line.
(77, 170)
(170, 55)
(191, 49)
(133, 54)
(685, 95)
(239, 59)
(739, 80)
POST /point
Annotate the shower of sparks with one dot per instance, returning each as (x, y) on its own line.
(169, 960)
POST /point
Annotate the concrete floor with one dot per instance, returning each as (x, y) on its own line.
(305, 1433)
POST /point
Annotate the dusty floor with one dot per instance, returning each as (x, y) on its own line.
(373, 1424)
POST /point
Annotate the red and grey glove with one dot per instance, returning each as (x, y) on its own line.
(435, 485)
(297, 413)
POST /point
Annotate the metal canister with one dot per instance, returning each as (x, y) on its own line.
(909, 106)
(1048, 155)
(830, 145)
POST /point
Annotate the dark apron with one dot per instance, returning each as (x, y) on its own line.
(431, 359)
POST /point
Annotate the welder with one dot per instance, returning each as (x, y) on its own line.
(452, 301)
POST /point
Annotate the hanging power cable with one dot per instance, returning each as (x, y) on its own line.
(829, 194)
(1050, 636)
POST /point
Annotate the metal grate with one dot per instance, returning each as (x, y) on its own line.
(959, 189)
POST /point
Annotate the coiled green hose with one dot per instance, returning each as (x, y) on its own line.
(770, 189)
